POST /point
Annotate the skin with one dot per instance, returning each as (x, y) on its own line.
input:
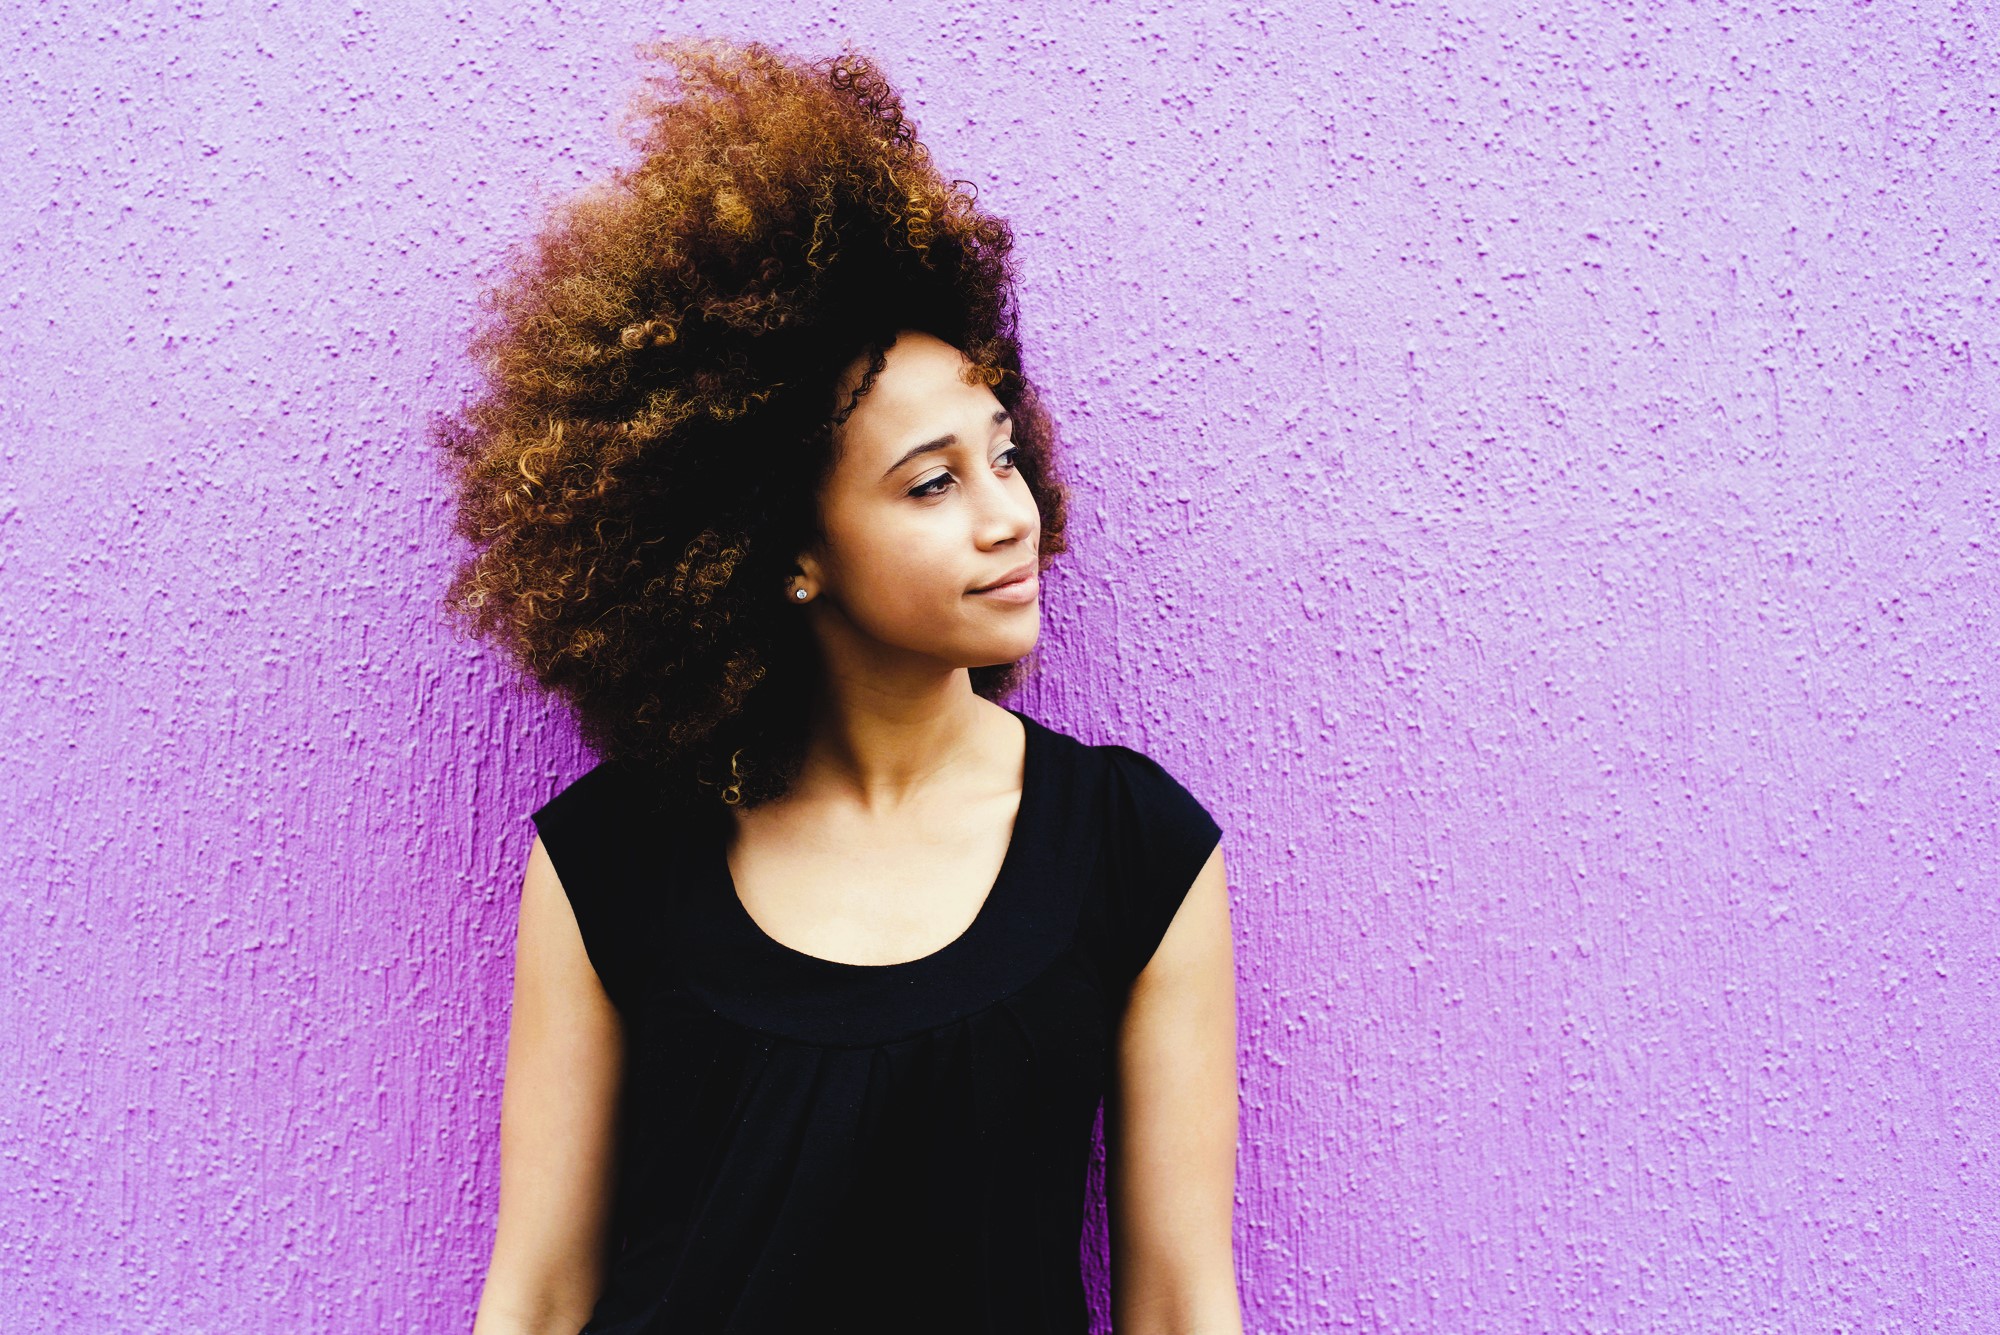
(882, 852)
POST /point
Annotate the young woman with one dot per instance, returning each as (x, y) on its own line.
(824, 968)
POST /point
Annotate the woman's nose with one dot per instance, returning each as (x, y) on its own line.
(1009, 509)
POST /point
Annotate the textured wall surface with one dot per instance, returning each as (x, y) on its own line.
(1535, 481)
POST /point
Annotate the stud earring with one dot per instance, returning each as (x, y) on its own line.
(799, 594)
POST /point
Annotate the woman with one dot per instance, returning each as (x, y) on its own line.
(823, 969)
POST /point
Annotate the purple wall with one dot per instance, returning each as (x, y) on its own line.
(1534, 481)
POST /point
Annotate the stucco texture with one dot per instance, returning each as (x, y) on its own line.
(1535, 482)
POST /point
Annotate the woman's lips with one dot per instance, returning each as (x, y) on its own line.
(1023, 590)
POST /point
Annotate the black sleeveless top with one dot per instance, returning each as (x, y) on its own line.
(807, 1145)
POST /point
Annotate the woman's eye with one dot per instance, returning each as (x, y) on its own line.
(1010, 454)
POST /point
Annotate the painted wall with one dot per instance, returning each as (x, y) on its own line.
(1535, 482)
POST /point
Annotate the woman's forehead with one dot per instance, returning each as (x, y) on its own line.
(920, 391)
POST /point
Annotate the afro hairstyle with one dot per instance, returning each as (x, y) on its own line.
(627, 549)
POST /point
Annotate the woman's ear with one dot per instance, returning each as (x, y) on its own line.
(805, 582)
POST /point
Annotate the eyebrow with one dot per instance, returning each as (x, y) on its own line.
(942, 442)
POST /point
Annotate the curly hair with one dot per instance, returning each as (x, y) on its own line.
(643, 462)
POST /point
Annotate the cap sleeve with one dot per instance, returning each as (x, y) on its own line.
(586, 831)
(1160, 836)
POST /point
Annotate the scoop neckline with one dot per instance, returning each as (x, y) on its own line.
(996, 893)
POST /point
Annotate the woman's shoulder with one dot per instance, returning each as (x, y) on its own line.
(611, 805)
(598, 836)
(1154, 833)
(1127, 772)
(1151, 798)
(587, 808)
(606, 783)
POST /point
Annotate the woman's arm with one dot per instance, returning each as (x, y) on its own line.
(1170, 1129)
(558, 1124)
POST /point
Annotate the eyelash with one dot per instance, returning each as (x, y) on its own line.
(922, 492)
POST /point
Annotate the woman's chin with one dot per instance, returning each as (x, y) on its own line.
(1009, 650)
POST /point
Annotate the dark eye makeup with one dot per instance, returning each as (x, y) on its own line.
(923, 490)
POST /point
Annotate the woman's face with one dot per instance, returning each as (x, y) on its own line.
(923, 507)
